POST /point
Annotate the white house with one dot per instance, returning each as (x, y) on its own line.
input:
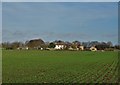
(93, 49)
(59, 46)
(81, 47)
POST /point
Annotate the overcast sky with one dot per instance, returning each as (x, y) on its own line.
(60, 21)
(59, 0)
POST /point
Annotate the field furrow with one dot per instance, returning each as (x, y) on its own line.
(59, 67)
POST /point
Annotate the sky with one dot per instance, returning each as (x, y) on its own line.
(0, 22)
(59, 0)
(68, 21)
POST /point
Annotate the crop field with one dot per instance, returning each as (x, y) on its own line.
(34, 66)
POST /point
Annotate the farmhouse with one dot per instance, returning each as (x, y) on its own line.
(76, 45)
(93, 48)
(60, 45)
(81, 47)
(35, 44)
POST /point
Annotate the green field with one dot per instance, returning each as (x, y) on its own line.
(34, 66)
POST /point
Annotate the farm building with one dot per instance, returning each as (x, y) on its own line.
(93, 48)
(59, 45)
(81, 47)
(35, 44)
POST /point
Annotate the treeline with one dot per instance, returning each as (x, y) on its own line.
(40, 44)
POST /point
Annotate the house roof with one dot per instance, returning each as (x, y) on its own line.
(59, 44)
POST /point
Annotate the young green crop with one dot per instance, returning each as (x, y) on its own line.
(34, 66)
